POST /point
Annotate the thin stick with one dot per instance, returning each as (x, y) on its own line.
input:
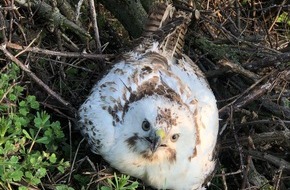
(29, 45)
(224, 180)
(95, 25)
(277, 16)
(277, 137)
(3, 27)
(78, 11)
(240, 148)
(279, 162)
(239, 69)
(253, 91)
(74, 159)
(277, 186)
(32, 75)
(57, 53)
(228, 174)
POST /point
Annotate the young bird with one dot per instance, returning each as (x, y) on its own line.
(154, 116)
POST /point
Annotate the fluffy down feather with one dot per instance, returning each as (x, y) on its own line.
(154, 116)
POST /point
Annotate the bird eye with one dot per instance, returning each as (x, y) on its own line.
(146, 125)
(174, 137)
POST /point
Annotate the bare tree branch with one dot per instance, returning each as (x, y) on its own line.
(130, 13)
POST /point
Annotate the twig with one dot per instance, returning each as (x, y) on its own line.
(238, 17)
(67, 9)
(277, 16)
(268, 61)
(72, 45)
(20, 28)
(239, 69)
(68, 64)
(70, 142)
(275, 108)
(95, 25)
(10, 8)
(279, 162)
(228, 174)
(245, 182)
(78, 11)
(74, 159)
(255, 93)
(8, 91)
(21, 185)
(30, 44)
(274, 6)
(2, 27)
(276, 187)
(224, 180)
(57, 53)
(70, 117)
(277, 137)
(240, 148)
(265, 121)
(33, 76)
(232, 38)
(256, 178)
(52, 12)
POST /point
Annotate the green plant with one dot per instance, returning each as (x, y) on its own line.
(120, 183)
(284, 18)
(29, 140)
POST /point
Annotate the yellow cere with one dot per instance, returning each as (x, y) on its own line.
(160, 133)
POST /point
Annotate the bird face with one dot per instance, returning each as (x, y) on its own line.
(155, 132)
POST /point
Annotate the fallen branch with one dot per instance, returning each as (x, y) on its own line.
(130, 13)
(95, 25)
(57, 53)
(239, 69)
(275, 108)
(254, 92)
(277, 137)
(48, 12)
(256, 178)
(279, 162)
(268, 61)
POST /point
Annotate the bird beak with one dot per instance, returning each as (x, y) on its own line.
(156, 139)
(155, 143)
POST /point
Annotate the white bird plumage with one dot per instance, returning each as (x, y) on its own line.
(154, 116)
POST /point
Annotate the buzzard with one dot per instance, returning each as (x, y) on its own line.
(153, 115)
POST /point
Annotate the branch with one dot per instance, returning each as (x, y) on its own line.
(35, 78)
(275, 108)
(254, 92)
(268, 137)
(95, 25)
(279, 162)
(268, 61)
(57, 53)
(235, 67)
(130, 13)
(48, 12)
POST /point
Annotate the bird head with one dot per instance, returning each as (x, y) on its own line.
(156, 127)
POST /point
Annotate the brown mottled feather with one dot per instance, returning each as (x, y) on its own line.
(168, 26)
(156, 83)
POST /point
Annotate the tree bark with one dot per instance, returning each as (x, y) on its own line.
(147, 4)
(130, 13)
